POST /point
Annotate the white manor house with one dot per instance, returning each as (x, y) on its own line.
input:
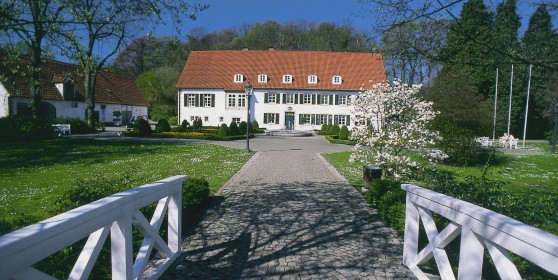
(299, 90)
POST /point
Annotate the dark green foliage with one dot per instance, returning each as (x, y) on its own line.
(233, 129)
(185, 124)
(335, 140)
(195, 193)
(344, 133)
(197, 123)
(334, 130)
(78, 126)
(223, 130)
(10, 224)
(162, 126)
(388, 197)
(242, 127)
(23, 129)
(142, 128)
(255, 126)
(328, 128)
(324, 127)
(173, 120)
(462, 148)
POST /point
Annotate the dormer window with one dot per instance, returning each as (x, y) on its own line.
(312, 79)
(287, 79)
(262, 78)
(336, 80)
(238, 78)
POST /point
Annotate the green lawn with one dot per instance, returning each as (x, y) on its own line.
(33, 175)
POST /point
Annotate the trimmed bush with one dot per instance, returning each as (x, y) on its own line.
(334, 130)
(223, 130)
(242, 127)
(173, 120)
(185, 124)
(462, 148)
(255, 126)
(233, 129)
(162, 126)
(195, 193)
(197, 124)
(324, 127)
(344, 133)
(23, 129)
(142, 128)
(328, 128)
(388, 197)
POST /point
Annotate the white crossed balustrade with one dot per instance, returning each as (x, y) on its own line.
(479, 228)
(115, 215)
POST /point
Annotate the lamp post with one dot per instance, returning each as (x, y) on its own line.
(553, 148)
(248, 89)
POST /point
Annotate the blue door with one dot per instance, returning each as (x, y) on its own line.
(289, 120)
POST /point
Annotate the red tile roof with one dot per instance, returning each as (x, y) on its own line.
(216, 69)
(110, 88)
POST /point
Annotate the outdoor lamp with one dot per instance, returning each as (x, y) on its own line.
(248, 90)
(553, 148)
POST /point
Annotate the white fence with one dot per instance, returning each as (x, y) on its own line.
(479, 228)
(117, 215)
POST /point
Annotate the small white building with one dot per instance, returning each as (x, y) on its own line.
(298, 90)
(63, 94)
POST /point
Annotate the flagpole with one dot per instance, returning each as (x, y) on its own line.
(495, 103)
(527, 105)
(511, 93)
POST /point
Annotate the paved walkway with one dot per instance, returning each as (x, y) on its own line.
(288, 215)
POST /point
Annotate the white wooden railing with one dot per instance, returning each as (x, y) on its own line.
(117, 215)
(479, 228)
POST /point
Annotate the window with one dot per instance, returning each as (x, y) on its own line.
(307, 99)
(236, 120)
(322, 119)
(193, 118)
(312, 79)
(205, 119)
(232, 100)
(336, 80)
(191, 100)
(272, 98)
(241, 100)
(221, 119)
(342, 120)
(289, 98)
(342, 100)
(304, 119)
(236, 100)
(238, 78)
(287, 79)
(324, 99)
(262, 78)
(271, 118)
(207, 100)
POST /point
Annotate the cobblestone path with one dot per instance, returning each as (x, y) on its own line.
(288, 215)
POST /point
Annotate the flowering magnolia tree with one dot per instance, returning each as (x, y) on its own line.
(393, 125)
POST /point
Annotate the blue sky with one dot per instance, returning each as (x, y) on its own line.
(223, 14)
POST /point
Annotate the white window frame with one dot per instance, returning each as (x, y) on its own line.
(306, 98)
(312, 79)
(262, 78)
(287, 79)
(271, 118)
(236, 120)
(324, 99)
(231, 100)
(336, 80)
(290, 98)
(272, 97)
(191, 100)
(241, 100)
(206, 119)
(343, 98)
(305, 119)
(238, 78)
(323, 118)
(342, 120)
(207, 100)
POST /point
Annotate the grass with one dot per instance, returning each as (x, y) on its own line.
(34, 175)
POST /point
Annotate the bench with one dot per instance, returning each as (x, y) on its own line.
(64, 129)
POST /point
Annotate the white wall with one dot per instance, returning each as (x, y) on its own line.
(4, 105)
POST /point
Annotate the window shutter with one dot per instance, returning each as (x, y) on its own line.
(277, 118)
(313, 99)
(313, 119)
(266, 96)
(213, 100)
(300, 119)
(330, 100)
(348, 120)
(284, 98)
(337, 99)
(336, 119)
(329, 119)
(265, 118)
(185, 100)
(198, 100)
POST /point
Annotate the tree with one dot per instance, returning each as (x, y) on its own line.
(113, 21)
(158, 86)
(33, 22)
(400, 126)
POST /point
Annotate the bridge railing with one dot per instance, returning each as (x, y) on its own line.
(479, 228)
(116, 215)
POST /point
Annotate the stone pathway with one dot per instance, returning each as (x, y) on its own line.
(288, 215)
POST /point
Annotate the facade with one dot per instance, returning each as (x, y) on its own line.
(298, 90)
(63, 92)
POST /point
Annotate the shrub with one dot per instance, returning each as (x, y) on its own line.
(78, 126)
(223, 130)
(233, 129)
(328, 128)
(324, 127)
(142, 128)
(185, 124)
(197, 124)
(344, 133)
(23, 128)
(334, 130)
(173, 120)
(255, 126)
(462, 148)
(389, 199)
(195, 193)
(242, 127)
(162, 126)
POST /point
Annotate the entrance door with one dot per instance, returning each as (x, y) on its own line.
(289, 120)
